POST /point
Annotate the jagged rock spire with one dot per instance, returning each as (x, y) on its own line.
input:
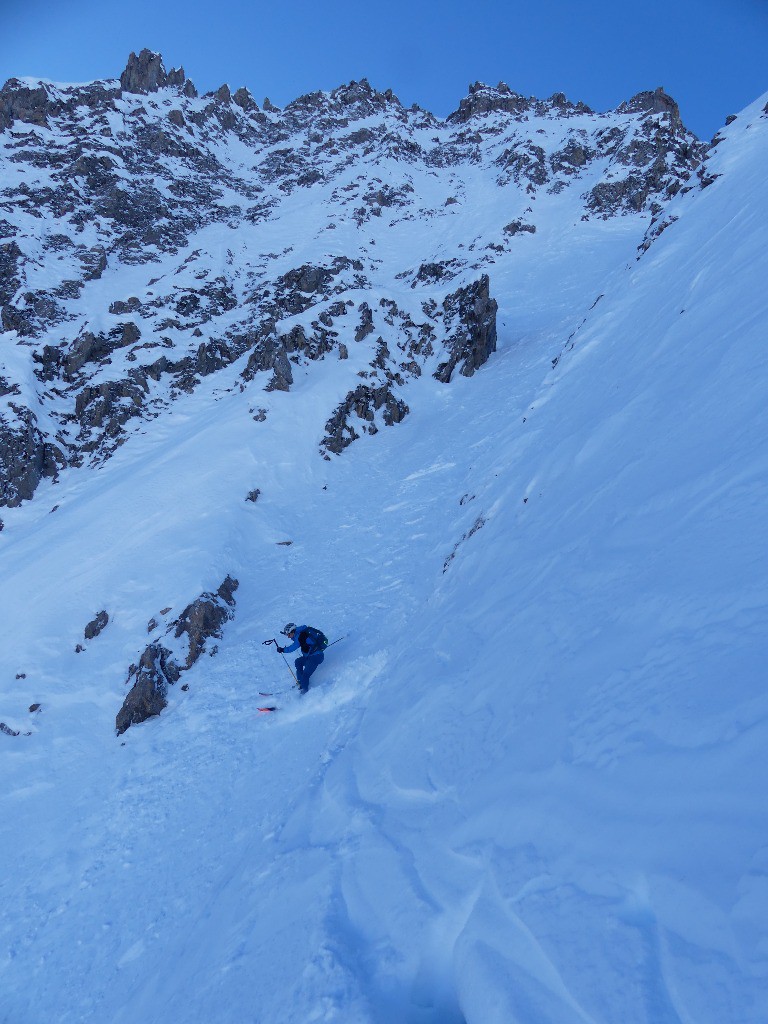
(146, 73)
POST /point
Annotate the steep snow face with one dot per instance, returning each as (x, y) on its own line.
(597, 775)
(150, 238)
(528, 784)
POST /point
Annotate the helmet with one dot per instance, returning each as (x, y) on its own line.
(289, 627)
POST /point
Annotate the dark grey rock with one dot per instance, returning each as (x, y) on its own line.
(517, 227)
(10, 280)
(271, 354)
(212, 356)
(176, 77)
(106, 408)
(145, 73)
(282, 378)
(96, 625)
(527, 161)
(483, 100)
(157, 668)
(26, 457)
(245, 101)
(22, 102)
(433, 273)
(148, 695)
(205, 617)
(562, 105)
(366, 322)
(656, 102)
(571, 157)
(363, 403)
(14, 319)
(94, 263)
(306, 285)
(120, 308)
(470, 319)
(92, 347)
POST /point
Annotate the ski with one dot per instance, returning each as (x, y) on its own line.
(265, 710)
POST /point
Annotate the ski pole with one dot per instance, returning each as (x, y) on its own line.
(266, 642)
(290, 669)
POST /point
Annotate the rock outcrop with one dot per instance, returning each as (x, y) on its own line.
(470, 319)
(96, 626)
(26, 456)
(655, 102)
(361, 406)
(162, 664)
(145, 73)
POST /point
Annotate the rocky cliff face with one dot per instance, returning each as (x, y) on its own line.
(151, 237)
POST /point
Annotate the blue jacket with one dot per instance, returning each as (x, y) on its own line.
(295, 645)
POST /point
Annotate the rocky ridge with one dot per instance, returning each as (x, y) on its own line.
(151, 237)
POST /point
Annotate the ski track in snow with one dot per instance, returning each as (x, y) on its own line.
(526, 788)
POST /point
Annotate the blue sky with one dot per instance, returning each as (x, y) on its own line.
(711, 55)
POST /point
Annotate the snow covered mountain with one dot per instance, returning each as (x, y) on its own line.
(527, 787)
(150, 238)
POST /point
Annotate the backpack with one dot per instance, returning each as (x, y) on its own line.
(312, 641)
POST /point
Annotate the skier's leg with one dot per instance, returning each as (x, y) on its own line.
(313, 661)
(305, 666)
(302, 676)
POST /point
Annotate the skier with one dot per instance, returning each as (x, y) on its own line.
(312, 643)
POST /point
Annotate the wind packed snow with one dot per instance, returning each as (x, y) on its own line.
(528, 786)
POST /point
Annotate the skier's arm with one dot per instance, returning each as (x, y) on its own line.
(295, 645)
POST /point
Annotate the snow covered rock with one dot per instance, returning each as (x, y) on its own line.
(97, 625)
(470, 321)
(26, 455)
(147, 697)
(361, 406)
(204, 618)
(161, 665)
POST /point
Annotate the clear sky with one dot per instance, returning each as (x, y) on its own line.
(710, 55)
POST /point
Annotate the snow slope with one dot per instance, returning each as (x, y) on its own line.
(528, 787)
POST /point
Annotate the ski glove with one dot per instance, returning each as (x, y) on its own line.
(280, 650)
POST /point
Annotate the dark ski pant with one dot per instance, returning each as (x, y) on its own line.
(305, 666)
